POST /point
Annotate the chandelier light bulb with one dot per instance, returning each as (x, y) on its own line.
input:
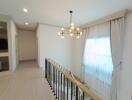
(25, 10)
(62, 29)
(80, 33)
(72, 27)
(70, 30)
(71, 34)
(72, 24)
(78, 29)
(59, 33)
(26, 23)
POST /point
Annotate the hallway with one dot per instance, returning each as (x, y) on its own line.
(26, 83)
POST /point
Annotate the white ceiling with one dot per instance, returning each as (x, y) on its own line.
(56, 12)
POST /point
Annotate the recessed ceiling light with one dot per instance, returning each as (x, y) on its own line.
(26, 23)
(25, 10)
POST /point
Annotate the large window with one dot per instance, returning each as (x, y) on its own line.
(97, 58)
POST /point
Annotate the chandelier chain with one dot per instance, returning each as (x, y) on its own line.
(71, 17)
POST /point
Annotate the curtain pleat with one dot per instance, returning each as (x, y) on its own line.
(117, 31)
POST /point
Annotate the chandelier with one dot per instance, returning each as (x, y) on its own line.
(72, 30)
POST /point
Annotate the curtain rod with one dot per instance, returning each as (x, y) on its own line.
(116, 15)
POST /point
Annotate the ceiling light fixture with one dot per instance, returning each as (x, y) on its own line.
(71, 30)
(25, 10)
(26, 23)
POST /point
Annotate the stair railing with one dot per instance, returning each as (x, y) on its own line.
(64, 85)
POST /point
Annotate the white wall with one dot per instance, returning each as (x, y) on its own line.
(77, 55)
(27, 46)
(50, 45)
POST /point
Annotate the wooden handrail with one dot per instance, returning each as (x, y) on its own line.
(78, 83)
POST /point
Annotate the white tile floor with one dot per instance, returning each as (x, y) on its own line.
(26, 83)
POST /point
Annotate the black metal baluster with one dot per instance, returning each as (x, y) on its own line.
(61, 86)
(64, 88)
(83, 96)
(71, 90)
(48, 71)
(46, 68)
(50, 74)
(74, 90)
(67, 88)
(76, 93)
(53, 78)
(58, 85)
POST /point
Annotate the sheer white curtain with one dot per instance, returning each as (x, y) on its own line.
(117, 31)
(85, 32)
(97, 60)
(102, 58)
